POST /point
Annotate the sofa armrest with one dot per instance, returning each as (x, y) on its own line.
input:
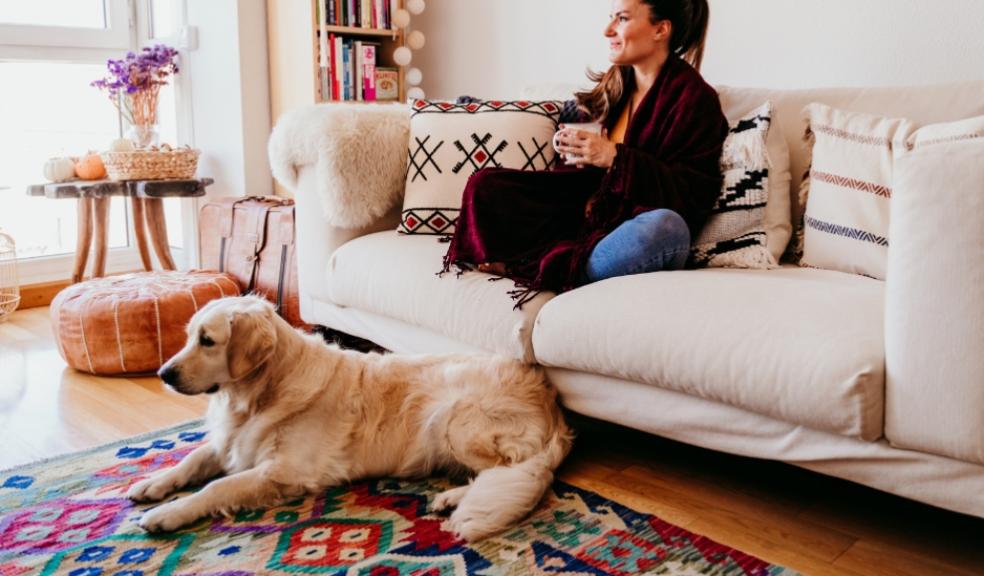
(346, 166)
(934, 302)
(358, 153)
(316, 239)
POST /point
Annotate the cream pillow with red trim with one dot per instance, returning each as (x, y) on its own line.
(449, 142)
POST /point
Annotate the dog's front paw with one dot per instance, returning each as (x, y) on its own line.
(467, 527)
(448, 499)
(166, 518)
(150, 490)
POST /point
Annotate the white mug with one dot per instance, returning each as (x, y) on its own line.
(593, 127)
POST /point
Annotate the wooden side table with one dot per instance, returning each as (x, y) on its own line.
(146, 200)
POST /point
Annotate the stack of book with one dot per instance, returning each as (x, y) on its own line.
(348, 72)
(359, 13)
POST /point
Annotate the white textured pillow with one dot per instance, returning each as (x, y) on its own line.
(947, 132)
(449, 142)
(849, 189)
(734, 235)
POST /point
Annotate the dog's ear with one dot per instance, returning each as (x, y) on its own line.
(252, 341)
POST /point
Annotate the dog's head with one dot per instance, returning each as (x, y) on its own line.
(228, 340)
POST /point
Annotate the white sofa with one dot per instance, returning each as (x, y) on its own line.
(787, 364)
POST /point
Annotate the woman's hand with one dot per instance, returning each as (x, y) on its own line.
(586, 148)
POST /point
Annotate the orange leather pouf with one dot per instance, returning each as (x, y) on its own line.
(131, 324)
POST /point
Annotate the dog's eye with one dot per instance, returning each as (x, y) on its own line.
(205, 341)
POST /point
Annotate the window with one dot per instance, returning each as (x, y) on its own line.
(68, 13)
(51, 112)
(50, 50)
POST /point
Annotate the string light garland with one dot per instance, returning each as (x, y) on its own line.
(412, 40)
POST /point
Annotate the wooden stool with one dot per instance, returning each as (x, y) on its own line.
(146, 201)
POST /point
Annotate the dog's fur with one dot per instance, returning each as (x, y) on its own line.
(292, 415)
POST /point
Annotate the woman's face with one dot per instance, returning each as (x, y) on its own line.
(632, 36)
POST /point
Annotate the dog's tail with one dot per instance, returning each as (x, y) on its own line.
(502, 495)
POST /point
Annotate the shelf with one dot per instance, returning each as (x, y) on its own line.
(353, 31)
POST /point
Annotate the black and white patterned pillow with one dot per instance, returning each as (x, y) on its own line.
(449, 142)
(734, 236)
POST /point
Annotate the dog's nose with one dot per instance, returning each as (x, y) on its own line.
(169, 374)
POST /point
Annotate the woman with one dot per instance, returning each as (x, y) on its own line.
(635, 194)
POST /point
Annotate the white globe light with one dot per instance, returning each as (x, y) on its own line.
(401, 18)
(402, 56)
(414, 76)
(416, 40)
(416, 6)
(417, 93)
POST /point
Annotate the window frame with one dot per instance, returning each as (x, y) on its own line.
(118, 35)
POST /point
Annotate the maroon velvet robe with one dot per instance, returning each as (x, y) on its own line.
(535, 222)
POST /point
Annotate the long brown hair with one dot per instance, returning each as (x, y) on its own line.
(689, 21)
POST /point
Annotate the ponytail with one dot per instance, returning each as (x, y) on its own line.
(689, 19)
(690, 33)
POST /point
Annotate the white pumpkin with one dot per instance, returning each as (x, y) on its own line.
(59, 169)
(122, 145)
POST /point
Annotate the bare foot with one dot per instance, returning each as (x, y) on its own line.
(498, 268)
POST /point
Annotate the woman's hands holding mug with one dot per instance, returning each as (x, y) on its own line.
(581, 147)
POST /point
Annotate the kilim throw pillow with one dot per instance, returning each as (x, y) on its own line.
(450, 142)
(847, 194)
(735, 235)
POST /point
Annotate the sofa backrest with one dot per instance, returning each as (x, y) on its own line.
(921, 104)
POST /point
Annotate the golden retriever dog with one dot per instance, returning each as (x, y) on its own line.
(291, 415)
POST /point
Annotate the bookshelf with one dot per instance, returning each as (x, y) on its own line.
(293, 55)
(385, 41)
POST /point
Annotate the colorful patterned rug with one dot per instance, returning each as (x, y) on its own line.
(69, 515)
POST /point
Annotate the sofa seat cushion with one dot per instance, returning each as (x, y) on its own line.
(395, 276)
(802, 345)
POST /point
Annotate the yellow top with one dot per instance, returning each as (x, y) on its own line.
(617, 135)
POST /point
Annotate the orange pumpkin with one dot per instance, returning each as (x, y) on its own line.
(90, 167)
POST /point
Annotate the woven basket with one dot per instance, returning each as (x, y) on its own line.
(177, 164)
(8, 303)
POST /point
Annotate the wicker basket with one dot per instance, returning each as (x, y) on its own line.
(177, 164)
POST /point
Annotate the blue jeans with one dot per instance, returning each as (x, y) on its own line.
(652, 241)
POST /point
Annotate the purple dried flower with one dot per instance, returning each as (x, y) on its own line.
(138, 78)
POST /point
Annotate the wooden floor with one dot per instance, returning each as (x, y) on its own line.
(783, 514)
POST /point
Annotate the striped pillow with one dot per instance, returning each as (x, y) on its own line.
(849, 188)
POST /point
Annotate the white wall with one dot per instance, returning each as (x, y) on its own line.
(495, 48)
(231, 96)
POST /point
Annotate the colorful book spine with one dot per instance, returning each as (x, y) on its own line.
(357, 70)
(324, 63)
(336, 58)
(347, 68)
(369, 72)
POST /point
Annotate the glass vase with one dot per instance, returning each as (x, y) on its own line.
(143, 135)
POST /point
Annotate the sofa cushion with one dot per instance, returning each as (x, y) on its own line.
(801, 345)
(395, 275)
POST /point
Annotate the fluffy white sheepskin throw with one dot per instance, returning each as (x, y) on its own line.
(359, 153)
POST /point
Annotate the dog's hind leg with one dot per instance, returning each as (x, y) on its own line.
(502, 495)
(199, 465)
(248, 489)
